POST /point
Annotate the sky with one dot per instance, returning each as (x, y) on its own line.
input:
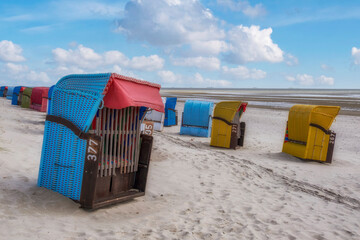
(184, 43)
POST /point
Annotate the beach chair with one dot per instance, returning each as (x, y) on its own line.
(93, 151)
(26, 97)
(196, 118)
(9, 93)
(171, 115)
(307, 133)
(3, 91)
(156, 117)
(39, 98)
(49, 98)
(227, 130)
(17, 95)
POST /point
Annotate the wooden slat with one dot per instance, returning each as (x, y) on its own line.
(113, 155)
(120, 138)
(137, 151)
(122, 141)
(126, 139)
(107, 140)
(131, 109)
(116, 152)
(102, 141)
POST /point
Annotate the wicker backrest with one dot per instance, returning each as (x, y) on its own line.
(75, 98)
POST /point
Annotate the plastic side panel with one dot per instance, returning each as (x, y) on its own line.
(194, 131)
(220, 134)
(169, 118)
(154, 116)
(317, 145)
(294, 149)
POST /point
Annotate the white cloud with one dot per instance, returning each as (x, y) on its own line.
(290, 78)
(151, 63)
(242, 72)
(168, 77)
(326, 67)
(308, 80)
(326, 80)
(10, 52)
(82, 56)
(169, 23)
(81, 59)
(115, 57)
(207, 63)
(13, 68)
(305, 79)
(244, 7)
(212, 47)
(38, 77)
(250, 44)
(291, 60)
(180, 26)
(200, 81)
(355, 53)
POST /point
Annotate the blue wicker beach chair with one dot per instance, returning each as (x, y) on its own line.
(196, 118)
(3, 90)
(93, 151)
(17, 95)
(9, 93)
(171, 115)
(49, 98)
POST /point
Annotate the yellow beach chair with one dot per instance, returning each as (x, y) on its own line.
(227, 130)
(307, 133)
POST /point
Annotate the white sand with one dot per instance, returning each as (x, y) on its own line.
(194, 191)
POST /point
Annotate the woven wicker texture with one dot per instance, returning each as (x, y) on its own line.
(26, 97)
(51, 89)
(75, 98)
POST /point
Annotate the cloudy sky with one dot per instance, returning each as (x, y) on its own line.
(184, 43)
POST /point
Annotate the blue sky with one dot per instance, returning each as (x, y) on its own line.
(184, 43)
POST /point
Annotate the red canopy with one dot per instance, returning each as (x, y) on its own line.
(122, 92)
(38, 93)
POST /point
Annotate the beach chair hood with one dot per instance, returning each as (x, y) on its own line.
(75, 101)
(196, 120)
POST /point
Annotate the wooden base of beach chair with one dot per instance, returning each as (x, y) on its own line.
(103, 191)
(236, 142)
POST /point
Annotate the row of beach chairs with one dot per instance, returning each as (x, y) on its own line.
(96, 153)
(37, 98)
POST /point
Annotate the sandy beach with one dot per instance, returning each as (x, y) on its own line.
(194, 191)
